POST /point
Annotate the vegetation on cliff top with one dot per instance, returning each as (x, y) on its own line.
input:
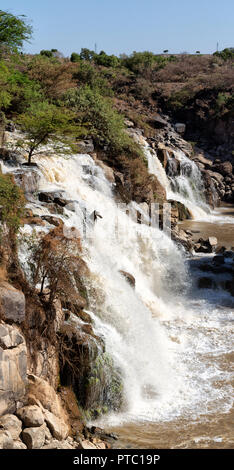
(91, 90)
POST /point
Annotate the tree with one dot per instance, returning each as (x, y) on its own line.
(13, 31)
(103, 122)
(75, 57)
(106, 60)
(87, 54)
(57, 262)
(46, 53)
(45, 123)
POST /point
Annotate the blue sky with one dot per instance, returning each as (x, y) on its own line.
(121, 26)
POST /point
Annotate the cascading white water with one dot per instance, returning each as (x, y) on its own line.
(184, 185)
(152, 332)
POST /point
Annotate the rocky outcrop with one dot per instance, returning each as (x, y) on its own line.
(12, 303)
(28, 180)
(13, 368)
(206, 246)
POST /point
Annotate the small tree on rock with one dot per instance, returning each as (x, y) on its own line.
(45, 124)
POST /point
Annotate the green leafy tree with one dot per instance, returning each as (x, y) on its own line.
(103, 122)
(14, 30)
(87, 54)
(75, 57)
(45, 123)
(106, 60)
(46, 53)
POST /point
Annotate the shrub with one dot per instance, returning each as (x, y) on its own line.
(226, 54)
(46, 53)
(106, 60)
(75, 57)
(11, 202)
(103, 122)
(87, 74)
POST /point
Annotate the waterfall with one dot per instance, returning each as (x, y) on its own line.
(156, 334)
(151, 332)
(183, 183)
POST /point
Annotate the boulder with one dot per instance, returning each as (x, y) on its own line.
(86, 146)
(12, 303)
(56, 197)
(12, 424)
(158, 122)
(57, 427)
(162, 155)
(87, 445)
(31, 416)
(13, 368)
(216, 176)
(206, 246)
(28, 180)
(212, 241)
(34, 438)
(19, 445)
(108, 172)
(54, 444)
(180, 127)
(6, 441)
(40, 391)
(225, 168)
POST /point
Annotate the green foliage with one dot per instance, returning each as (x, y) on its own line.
(46, 53)
(75, 57)
(104, 388)
(106, 60)
(44, 123)
(140, 62)
(11, 202)
(87, 54)
(52, 53)
(103, 122)
(226, 54)
(5, 95)
(17, 91)
(224, 103)
(13, 31)
(179, 99)
(87, 74)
